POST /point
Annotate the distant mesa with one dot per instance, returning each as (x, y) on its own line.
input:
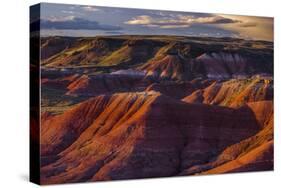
(161, 57)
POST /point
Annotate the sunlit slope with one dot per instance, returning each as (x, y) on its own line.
(110, 136)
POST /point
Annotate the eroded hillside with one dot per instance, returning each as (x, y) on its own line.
(126, 107)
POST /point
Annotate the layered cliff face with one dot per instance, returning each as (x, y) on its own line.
(128, 107)
(223, 65)
(231, 65)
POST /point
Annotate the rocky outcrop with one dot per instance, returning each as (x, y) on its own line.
(169, 67)
(106, 84)
(53, 45)
(233, 93)
(178, 90)
(225, 65)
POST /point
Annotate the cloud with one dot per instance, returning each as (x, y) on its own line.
(213, 19)
(148, 21)
(248, 24)
(178, 21)
(90, 8)
(75, 23)
(60, 18)
(72, 12)
(68, 12)
(257, 28)
(140, 20)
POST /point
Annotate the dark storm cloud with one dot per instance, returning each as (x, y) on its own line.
(224, 21)
(75, 23)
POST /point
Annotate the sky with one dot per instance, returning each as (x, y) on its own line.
(81, 20)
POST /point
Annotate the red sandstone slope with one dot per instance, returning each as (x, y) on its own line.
(258, 159)
(179, 89)
(106, 84)
(233, 93)
(137, 135)
(251, 154)
(59, 83)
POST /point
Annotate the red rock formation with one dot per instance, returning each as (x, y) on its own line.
(105, 84)
(153, 106)
(251, 154)
(174, 90)
(180, 89)
(60, 82)
(138, 135)
(233, 93)
(168, 67)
